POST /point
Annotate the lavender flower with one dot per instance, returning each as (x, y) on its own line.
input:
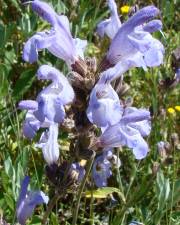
(144, 126)
(110, 26)
(27, 201)
(31, 124)
(101, 171)
(60, 84)
(58, 40)
(103, 165)
(134, 46)
(104, 102)
(122, 134)
(49, 144)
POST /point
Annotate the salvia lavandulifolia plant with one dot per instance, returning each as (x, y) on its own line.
(86, 102)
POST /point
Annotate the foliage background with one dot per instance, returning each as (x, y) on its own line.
(152, 195)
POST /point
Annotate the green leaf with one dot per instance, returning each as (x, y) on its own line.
(3, 80)
(9, 201)
(24, 83)
(54, 219)
(104, 192)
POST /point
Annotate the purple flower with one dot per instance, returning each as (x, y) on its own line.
(101, 171)
(51, 100)
(60, 84)
(49, 144)
(58, 40)
(134, 46)
(104, 102)
(123, 134)
(103, 165)
(27, 201)
(110, 26)
(144, 126)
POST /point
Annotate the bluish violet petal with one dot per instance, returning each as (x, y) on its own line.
(64, 21)
(154, 56)
(28, 105)
(45, 39)
(120, 46)
(110, 26)
(104, 102)
(37, 198)
(31, 125)
(102, 112)
(141, 150)
(45, 11)
(40, 114)
(101, 27)
(26, 209)
(115, 72)
(60, 88)
(28, 131)
(30, 53)
(153, 26)
(46, 72)
(144, 127)
(111, 137)
(23, 191)
(63, 48)
(132, 139)
(80, 46)
(49, 144)
(140, 44)
(136, 116)
(143, 15)
(59, 111)
(107, 152)
(101, 171)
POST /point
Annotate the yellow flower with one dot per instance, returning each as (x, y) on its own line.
(177, 107)
(171, 110)
(125, 9)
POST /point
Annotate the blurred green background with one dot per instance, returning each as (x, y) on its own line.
(151, 199)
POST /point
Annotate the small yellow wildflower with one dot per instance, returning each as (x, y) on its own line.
(171, 110)
(177, 107)
(125, 9)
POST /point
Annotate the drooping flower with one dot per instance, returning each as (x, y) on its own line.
(133, 45)
(49, 144)
(123, 134)
(58, 40)
(104, 107)
(111, 25)
(27, 201)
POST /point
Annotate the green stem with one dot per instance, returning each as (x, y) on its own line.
(76, 210)
(50, 207)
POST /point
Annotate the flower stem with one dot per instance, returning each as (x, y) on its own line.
(50, 207)
(81, 188)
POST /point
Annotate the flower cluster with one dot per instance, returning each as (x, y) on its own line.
(92, 99)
